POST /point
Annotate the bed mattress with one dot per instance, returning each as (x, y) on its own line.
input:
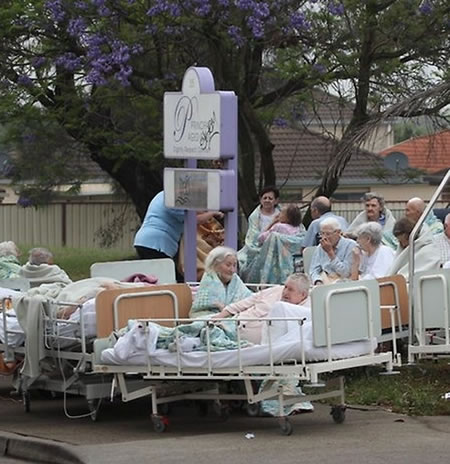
(250, 356)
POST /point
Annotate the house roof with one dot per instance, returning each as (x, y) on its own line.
(301, 157)
(325, 108)
(428, 152)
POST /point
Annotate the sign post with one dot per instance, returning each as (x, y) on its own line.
(200, 123)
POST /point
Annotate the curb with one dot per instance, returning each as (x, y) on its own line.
(37, 450)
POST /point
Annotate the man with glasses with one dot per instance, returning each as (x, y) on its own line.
(333, 257)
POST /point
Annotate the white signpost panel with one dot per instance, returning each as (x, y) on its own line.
(200, 123)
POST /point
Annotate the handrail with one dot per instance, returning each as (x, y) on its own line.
(412, 238)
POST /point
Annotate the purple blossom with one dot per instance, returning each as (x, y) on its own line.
(120, 53)
(98, 3)
(76, 27)
(38, 62)
(298, 21)
(163, 6)
(261, 10)
(256, 26)
(69, 61)
(235, 34)
(29, 138)
(223, 3)
(151, 29)
(245, 4)
(320, 68)
(56, 10)
(203, 9)
(24, 202)
(81, 5)
(24, 80)
(136, 49)
(280, 122)
(426, 8)
(336, 9)
(95, 77)
(104, 11)
(123, 75)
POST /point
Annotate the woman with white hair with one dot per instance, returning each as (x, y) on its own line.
(9, 262)
(220, 285)
(371, 259)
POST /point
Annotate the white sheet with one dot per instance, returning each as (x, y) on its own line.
(65, 330)
(254, 355)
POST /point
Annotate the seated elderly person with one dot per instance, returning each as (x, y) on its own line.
(9, 262)
(40, 269)
(333, 258)
(374, 211)
(320, 210)
(259, 304)
(371, 259)
(220, 285)
(426, 254)
(413, 210)
(442, 241)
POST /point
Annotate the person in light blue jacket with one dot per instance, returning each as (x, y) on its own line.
(161, 230)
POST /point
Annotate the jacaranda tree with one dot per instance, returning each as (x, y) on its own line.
(95, 71)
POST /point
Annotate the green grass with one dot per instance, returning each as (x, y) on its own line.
(416, 390)
(77, 262)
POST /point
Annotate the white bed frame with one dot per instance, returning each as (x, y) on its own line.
(334, 321)
(431, 314)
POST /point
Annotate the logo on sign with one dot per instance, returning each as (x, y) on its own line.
(196, 131)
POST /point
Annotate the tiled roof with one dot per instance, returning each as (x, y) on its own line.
(429, 152)
(301, 157)
(326, 108)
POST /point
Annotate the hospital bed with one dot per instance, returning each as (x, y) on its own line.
(345, 321)
(66, 351)
(431, 315)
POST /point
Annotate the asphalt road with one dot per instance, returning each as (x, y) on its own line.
(124, 434)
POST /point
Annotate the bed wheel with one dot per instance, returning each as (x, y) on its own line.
(160, 423)
(253, 409)
(26, 401)
(285, 426)
(338, 414)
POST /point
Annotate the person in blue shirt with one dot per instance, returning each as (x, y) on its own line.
(333, 258)
(161, 230)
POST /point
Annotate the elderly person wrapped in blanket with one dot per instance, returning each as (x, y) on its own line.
(9, 262)
(220, 285)
(284, 238)
(426, 253)
(40, 270)
(259, 220)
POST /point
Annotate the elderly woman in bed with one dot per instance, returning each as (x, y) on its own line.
(220, 285)
(261, 304)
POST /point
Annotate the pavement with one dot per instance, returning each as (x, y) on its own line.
(124, 434)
